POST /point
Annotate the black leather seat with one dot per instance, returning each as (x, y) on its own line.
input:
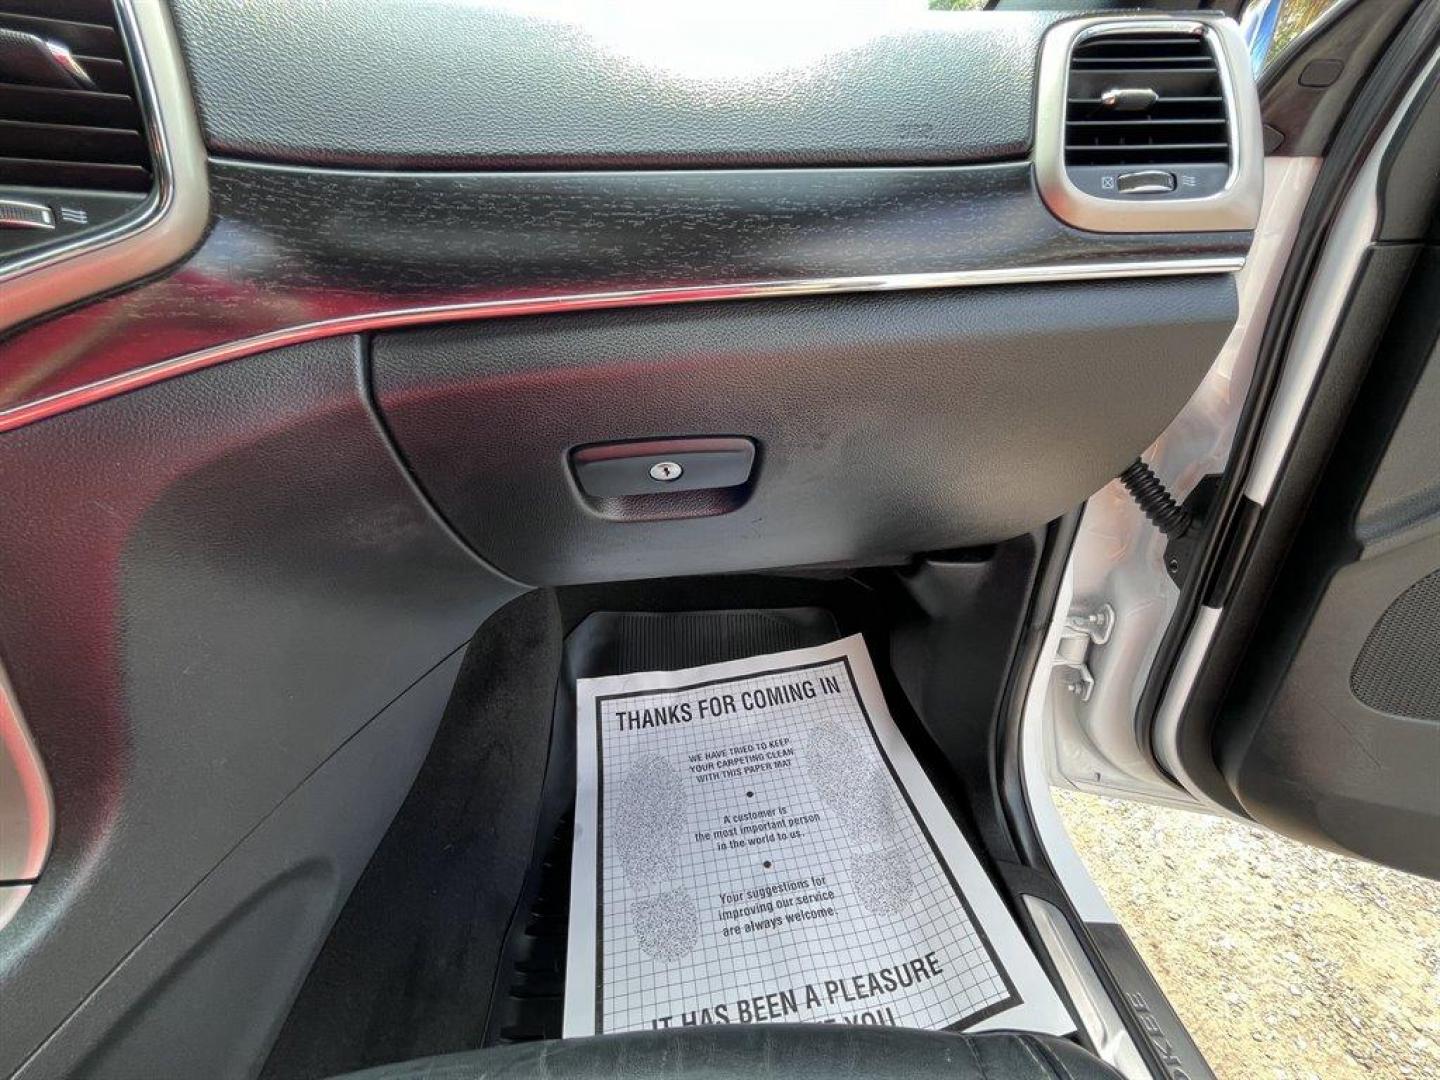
(783, 1051)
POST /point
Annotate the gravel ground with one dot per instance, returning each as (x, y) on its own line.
(1283, 961)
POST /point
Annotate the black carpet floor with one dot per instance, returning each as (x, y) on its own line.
(452, 929)
(409, 966)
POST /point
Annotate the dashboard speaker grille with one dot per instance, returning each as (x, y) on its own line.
(1397, 670)
(69, 116)
(1145, 98)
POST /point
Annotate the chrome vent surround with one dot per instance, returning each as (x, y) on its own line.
(1152, 98)
(161, 190)
(1149, 123)
(69, 108)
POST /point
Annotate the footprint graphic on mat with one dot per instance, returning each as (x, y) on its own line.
(884, 878)
(881, 869)
(666, 924)
(650, 828)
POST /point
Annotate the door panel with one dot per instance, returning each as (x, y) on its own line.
(1315, 704)
(1333, 731)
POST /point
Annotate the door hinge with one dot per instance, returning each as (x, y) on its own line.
(1082, 630)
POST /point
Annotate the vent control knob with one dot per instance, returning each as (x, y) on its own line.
(31, 59)
(1129, 99)
(22, 214)
(1148, 182)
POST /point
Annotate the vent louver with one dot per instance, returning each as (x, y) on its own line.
(69, 116)
(1145, 99)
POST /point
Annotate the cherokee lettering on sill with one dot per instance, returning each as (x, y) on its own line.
(1174, 1068)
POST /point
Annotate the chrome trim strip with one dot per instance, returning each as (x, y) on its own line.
(168, 225)
(1097, 1012)
(1235, 207)
(27, 809)
(33, 411)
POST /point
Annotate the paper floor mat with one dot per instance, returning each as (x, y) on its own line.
(754, 841)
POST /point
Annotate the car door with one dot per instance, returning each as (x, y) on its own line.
(1293, 685)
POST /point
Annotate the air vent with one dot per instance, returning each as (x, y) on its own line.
(1148, 123)
(69, 116)
(1145, 99)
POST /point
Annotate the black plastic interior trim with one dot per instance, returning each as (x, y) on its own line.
(1411, 190)
(1231, 564)
(887, 424)
(211, 587)
(1152, 1021)
(292, 248)
(1306, 116)
(409, 964)
(205, 991)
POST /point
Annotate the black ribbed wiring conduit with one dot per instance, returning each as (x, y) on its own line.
(1150, 495)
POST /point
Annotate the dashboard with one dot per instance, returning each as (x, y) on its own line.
(312, 314)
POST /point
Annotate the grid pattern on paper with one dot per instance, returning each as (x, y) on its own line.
(636, 990)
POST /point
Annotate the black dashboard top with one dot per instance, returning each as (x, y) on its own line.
(441, 84)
